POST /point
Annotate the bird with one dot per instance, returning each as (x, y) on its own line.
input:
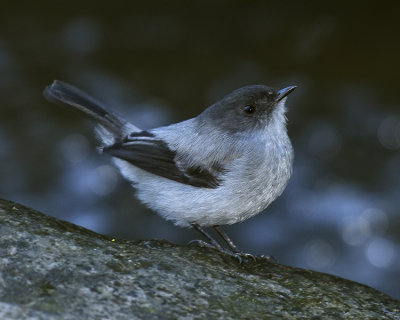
(221, 167)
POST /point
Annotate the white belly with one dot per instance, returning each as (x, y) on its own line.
(239, 197)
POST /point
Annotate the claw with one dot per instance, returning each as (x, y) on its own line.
(235, 255)
(247, 256)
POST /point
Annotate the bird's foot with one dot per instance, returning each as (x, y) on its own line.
(240, 256)
(246, 256)
(204, 244)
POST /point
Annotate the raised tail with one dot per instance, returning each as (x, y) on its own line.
(63, 93)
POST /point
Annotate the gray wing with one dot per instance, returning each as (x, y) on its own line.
(152, 154)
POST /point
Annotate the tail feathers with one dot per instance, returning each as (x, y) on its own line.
(62, 93)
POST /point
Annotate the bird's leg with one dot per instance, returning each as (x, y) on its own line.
(224, 236)
(212, 241)
(233, 252)
(230, 243)
(214, 244)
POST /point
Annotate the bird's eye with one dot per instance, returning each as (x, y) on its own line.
(249, 109)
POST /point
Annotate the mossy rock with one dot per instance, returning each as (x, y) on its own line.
(51, 269)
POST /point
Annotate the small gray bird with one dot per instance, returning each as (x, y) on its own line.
(221, 167)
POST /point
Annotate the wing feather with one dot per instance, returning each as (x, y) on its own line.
(144, 150)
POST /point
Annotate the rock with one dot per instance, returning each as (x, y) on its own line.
(51, 269)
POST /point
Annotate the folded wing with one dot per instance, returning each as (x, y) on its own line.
(152, 154)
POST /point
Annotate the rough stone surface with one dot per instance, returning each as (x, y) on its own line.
(51, 269)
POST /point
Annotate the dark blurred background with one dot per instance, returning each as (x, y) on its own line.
(162, 62)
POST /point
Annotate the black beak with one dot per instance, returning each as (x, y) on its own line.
(284, 92)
